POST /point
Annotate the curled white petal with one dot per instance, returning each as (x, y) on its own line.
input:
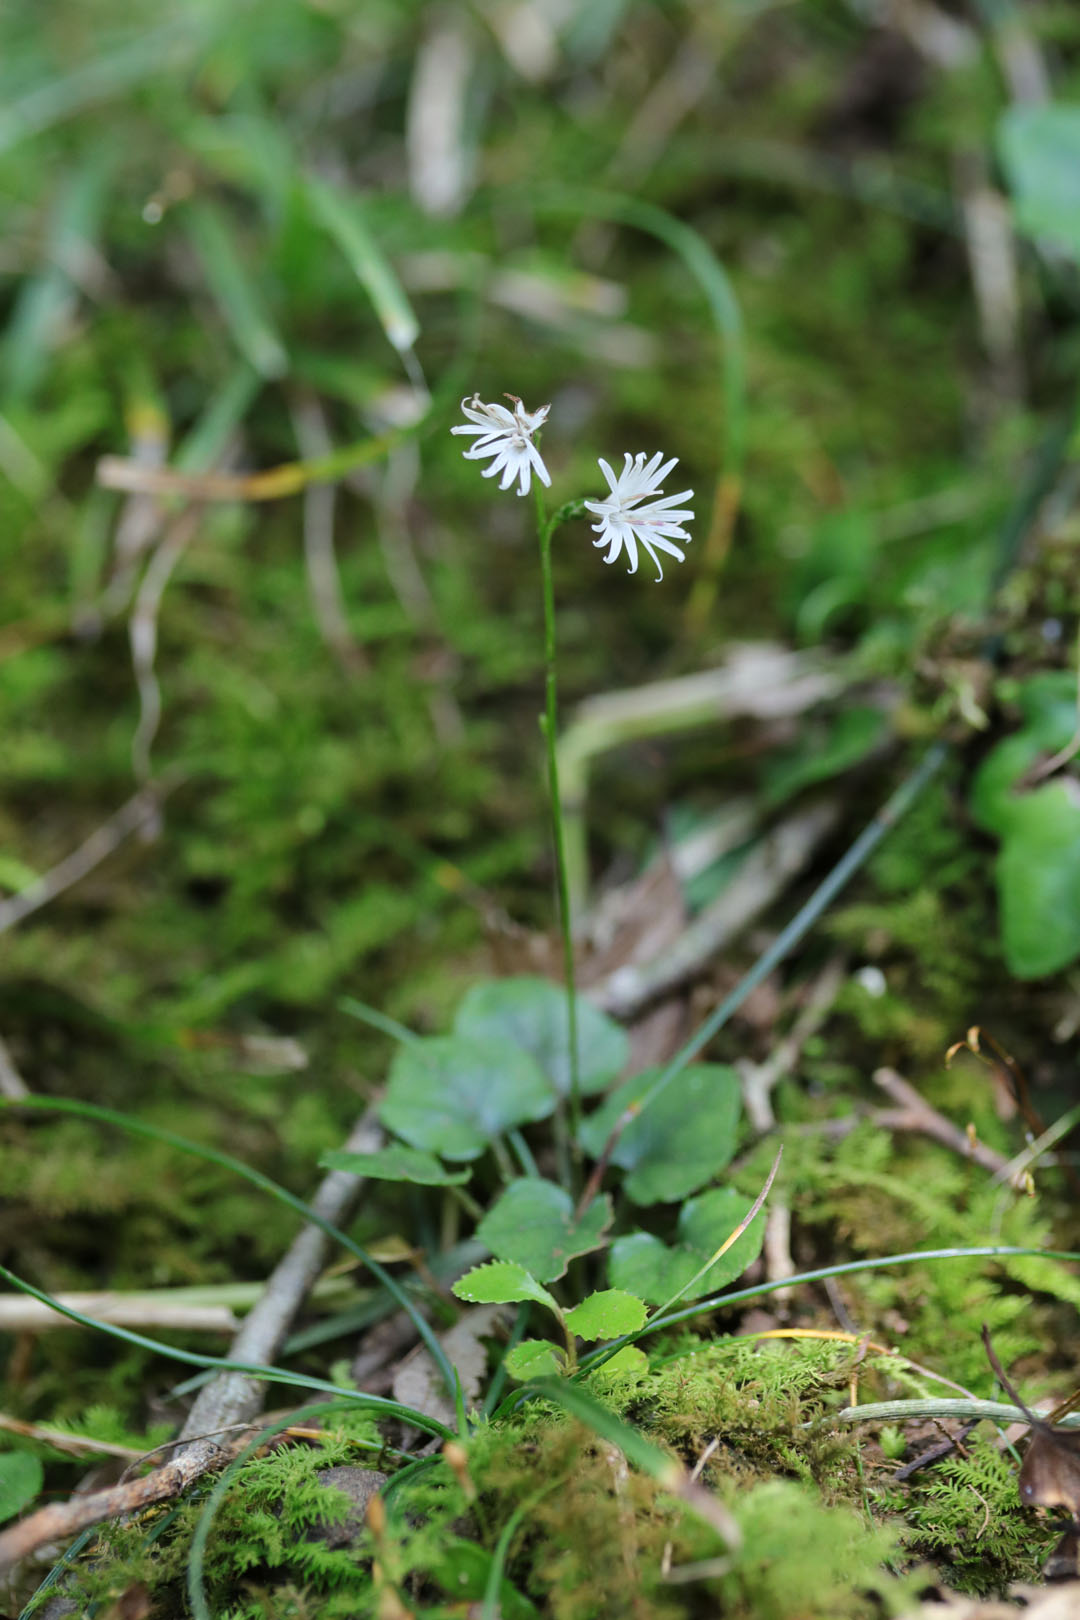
(506, 438)
(637, 512)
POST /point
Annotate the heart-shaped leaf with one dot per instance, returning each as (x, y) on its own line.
(643, 1265)
(1040, 152)
(679, 1141)
(395, 1163)
(453, 1095)
(532, 1013)
(534, 1358)
(629, 1362)
(606, 1314)
(533, 1223)
(500, 1283)
(1048, 704)
(21, 1477)
(1038, 877)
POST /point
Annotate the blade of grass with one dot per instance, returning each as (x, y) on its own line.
(107, 74)
(595, 1358)
(641, 1453)
(277, 1375)
(491, 1609)
(43, 298)
(233, 289)
(225, 1161)
(343, 218)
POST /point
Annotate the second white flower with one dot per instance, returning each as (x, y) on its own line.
(638, 512)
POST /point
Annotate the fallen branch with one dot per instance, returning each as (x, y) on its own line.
(20, 1313)
(234, 1397)
(229, 1400)
(60, 1520)
(916, 1114)
(140, 811)
(324, 580)
(143, 633)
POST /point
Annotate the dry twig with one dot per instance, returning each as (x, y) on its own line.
(916, 1114)
(139, 812)
(320, 501)
(234, 1397)
(231, 1399)
(143, 630)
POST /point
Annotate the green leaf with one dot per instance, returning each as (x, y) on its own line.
(534, 1358)
(1048, 704)
(21, 1477)
(532, 1013)
(647, 1267)
(607, 1314)
(678, 1142)
(533, 1224)
(452, 1096)
(1038, 877)
(1040, 153)
(629, 1362)
(499, 1283)
(395, 1163)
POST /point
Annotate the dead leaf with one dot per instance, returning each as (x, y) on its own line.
(1050, 1471)
(419, 1383)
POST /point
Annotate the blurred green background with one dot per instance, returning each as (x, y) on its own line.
(241, 235)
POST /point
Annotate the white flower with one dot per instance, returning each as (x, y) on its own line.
(624, 521)
(507, 437)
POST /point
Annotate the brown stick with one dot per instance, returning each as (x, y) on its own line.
(139, 811)
(917, 1115)
(62, 1519)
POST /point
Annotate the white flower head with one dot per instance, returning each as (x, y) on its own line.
(637, 510)
(507, 437)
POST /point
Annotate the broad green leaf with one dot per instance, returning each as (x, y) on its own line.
(395, 1163)
(452, 1096)
(533, 1224)
(607, 1314)
(644, 1266)
(629, 1362)
(497, 1282)
(1038, 876)
(678, 1142)
(647, 1266)
(1048, 704)
(1040, 153)
(534, 1358)
(532, 1013)
(21, 1477)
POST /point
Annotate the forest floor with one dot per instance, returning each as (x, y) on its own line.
(826, 254)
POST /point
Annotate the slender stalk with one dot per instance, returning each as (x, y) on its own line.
(545, 529)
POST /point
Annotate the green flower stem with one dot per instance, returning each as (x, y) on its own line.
(545, 529)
